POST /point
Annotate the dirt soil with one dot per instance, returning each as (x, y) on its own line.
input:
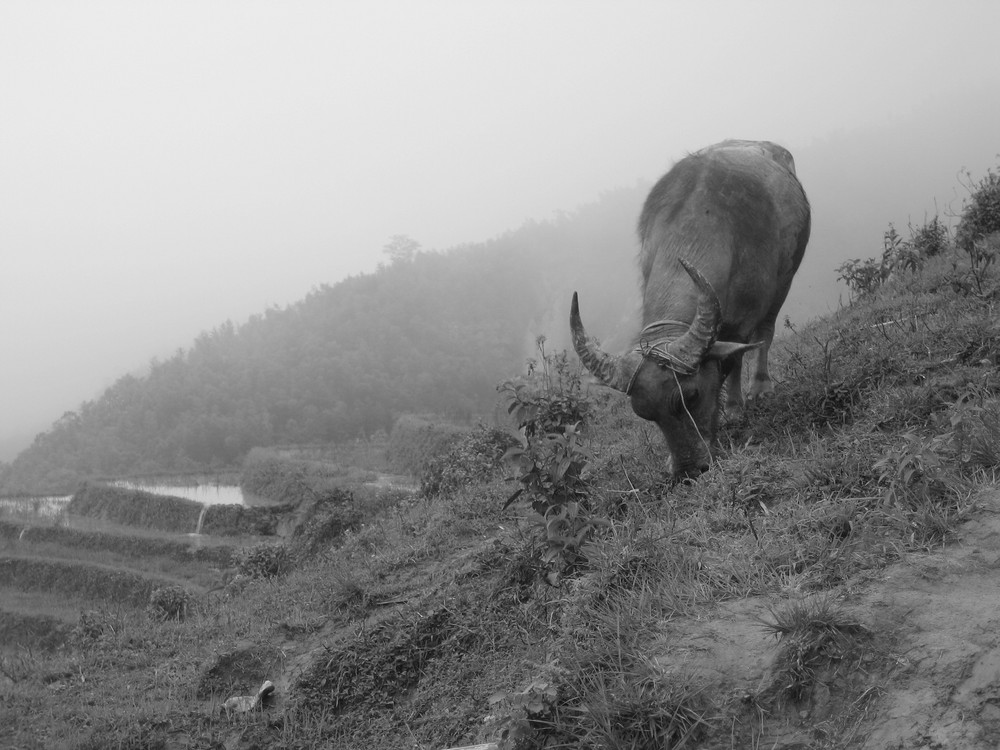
(936, 687)
(946, 693)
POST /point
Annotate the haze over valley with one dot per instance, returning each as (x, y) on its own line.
(170, 169)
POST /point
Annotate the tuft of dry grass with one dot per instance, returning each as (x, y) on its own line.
(818, 640)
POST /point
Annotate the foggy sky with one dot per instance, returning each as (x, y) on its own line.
(165, 167)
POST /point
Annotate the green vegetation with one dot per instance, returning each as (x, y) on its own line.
(56, 537)
(980, 218)
(93, 581)
(571, 600)
(133, 507)
(137, 508)
(550, 411)
(293, 481)
(818, 640)
(415, 442)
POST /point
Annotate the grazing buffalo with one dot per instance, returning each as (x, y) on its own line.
(722, 235)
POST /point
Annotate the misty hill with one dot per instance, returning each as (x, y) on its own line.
(433, 333)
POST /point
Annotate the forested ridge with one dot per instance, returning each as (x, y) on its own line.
(429, 333)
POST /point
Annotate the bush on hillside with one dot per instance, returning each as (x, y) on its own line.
(863, 277)
(931, 239)
(286, 480)
(329, 518)
(237, 520)
(476, 457)
(170, 603)
(264, 561)
(550, 409)
(980, 213)
(415, 443)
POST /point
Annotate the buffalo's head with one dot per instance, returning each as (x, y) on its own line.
(674, 381)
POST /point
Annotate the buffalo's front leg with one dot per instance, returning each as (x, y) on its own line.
(761, 377)
(734, 389)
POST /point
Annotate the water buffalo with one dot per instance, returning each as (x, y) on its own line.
(722, 234)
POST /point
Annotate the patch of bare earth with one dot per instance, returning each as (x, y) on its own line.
(930, 682)
(946, 606)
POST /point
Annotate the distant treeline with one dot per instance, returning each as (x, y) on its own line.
(429, 333)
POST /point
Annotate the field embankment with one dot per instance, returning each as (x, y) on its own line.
(149, 555)
(92, 581)
(134, 546)
(145, 510)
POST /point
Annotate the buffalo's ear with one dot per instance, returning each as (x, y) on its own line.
(725, 349)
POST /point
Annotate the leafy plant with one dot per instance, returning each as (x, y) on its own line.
(974, 422)
(931, 239)
(531, 711)
(863, 277)
(914, 472)
(553, 462)
(170, 603)
(474, 458)
(981, 212)
(264, 561)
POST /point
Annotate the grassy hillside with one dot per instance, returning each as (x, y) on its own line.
(830, 582)
(733, 612)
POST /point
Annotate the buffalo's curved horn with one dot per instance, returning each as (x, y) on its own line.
(692, 346)
(605, 367)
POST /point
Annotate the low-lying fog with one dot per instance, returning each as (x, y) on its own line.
(166, 167)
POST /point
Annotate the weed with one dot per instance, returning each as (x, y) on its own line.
(264, 561)
(864, 277)
(981, 211)
(100, 627)
(818, 641)
(644, 708)
(170, 603)
(475, 458)
(18, 666)
(332, 515)
(930, 239)
(552, 460)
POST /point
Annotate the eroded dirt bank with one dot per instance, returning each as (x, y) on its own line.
(945, 692)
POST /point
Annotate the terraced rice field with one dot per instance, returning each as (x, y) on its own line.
(55, 565)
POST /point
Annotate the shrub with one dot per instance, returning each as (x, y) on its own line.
(549, 410)
(237, 520)
(415, 443)
(931, 239)
(170, 603)
(264, 561)
(288, 480)
(819, 640)
(476, 457)
(99, 626)
(863, 277)
(981, 212)
(332, 515)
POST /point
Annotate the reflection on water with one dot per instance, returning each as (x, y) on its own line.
(209, 494)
